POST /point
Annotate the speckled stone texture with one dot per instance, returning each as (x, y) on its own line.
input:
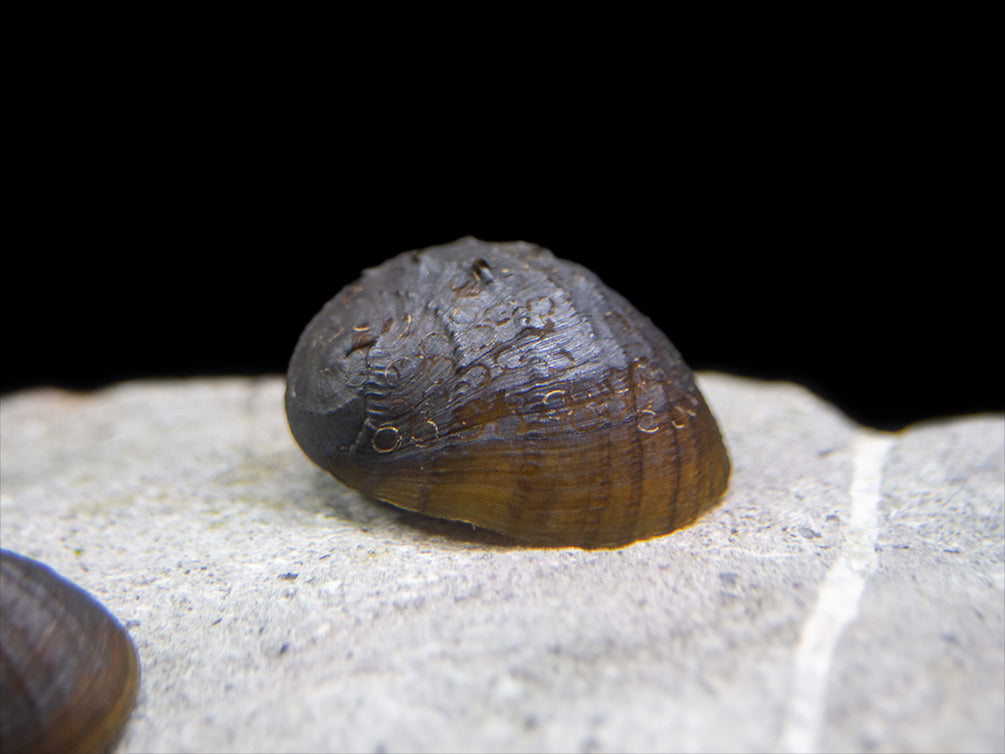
(848, 594)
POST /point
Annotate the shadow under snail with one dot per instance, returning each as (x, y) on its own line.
(496, 384)
(68, 671)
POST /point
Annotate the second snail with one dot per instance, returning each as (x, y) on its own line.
(496, 384)
(69, 673)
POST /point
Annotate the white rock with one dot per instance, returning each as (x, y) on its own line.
(819, 607)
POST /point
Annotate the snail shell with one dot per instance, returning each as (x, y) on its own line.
(499, 385)
(68, 671)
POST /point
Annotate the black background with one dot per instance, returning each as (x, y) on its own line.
(820, 222)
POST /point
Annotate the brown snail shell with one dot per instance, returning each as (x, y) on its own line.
(499, 385)
(68, 671)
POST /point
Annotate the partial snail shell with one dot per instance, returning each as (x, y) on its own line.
(68, 671)
(499, 385)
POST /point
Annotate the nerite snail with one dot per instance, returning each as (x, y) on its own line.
(499, 385)
(68, 671)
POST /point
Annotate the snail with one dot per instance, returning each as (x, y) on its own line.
(68, 671)
(496, 384)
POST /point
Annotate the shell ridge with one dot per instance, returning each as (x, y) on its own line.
(673, 507)
(634, 497)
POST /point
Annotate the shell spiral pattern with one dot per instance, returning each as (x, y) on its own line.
(499, 385)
